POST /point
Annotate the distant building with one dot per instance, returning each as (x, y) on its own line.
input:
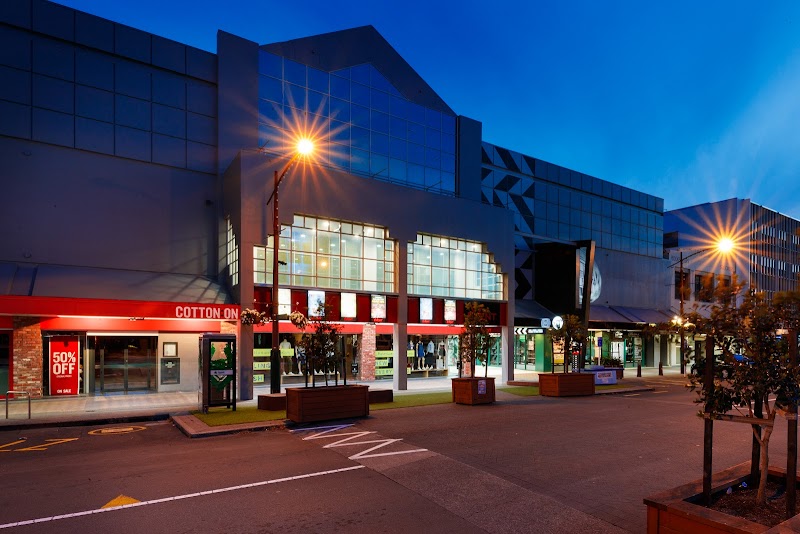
(766, 255)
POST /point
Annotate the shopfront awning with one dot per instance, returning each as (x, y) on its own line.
(604, 314)
(530, 311)
(643, 315)
(92, 283)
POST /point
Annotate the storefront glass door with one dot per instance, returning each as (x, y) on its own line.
(124, 363)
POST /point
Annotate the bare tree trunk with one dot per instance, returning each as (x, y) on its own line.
(761, 497)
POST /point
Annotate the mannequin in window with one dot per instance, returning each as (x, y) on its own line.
(420, 354)
(429, 354)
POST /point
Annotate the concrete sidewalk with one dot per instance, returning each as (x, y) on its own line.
(133, 407)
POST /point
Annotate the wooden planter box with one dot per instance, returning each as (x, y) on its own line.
(566, 384)
(619, 371)
(674, 510)
(306, 405)
(473, 390)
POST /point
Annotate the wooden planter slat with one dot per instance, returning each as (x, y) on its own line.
(465, 391)
(305, 405)
(566, 384)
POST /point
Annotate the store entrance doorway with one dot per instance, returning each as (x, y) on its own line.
(123, 364)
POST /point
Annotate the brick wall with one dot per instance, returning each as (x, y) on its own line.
(366, 364)
(28, 356)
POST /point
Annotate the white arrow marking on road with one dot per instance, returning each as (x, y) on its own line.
(177, 497)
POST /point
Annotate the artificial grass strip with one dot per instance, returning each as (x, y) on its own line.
(414, 399)
(522, 391)
(611, 386)
(246, 414)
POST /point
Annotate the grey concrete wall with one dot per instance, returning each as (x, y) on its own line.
(468, 173)
(71, 207)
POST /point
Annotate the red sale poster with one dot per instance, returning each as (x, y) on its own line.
(64, 365)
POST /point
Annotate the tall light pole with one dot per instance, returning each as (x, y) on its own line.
(723, 246)
(304, 148)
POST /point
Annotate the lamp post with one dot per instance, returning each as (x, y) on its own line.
(724, 246)
(304, 148)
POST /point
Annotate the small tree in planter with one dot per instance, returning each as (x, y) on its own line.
(752, 376)
(571, 332)
(321, 345)
(473, 342)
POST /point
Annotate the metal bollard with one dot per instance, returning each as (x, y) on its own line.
(639, 370)
(16, 394)
(660, 369)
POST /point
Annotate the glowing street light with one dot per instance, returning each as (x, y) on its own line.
(304, 148)
(725, 246)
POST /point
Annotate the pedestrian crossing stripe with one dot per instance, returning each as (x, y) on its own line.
(122, 500)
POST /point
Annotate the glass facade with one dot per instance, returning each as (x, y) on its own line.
(327, 253)
(371, 129)
(555, 203)
(444, 267)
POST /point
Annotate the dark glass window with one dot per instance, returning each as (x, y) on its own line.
(416, 133)
(270, 88)
(449, 124)
(295, 96)
(397, 148)
(340, 132)
(398, 127)
(318, 103)
(360, 161)
(360, 73)
(340, 110)
(703, 287)
(398, 107)
(359, 94)
(380, 143)
(380, 122)
(270, 64)
(340, 88)
(416, 154)
(380, 101)
(433, 119)
(433, 138)
(433, 158)
(359, 116)
(448, 163)
(360, 137)
(270, 112)
(317, 80)
(294, 72)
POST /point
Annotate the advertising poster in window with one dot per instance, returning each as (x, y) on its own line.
(378, 308)
(449, 311)
(348, 306)
(284, 301)
(316, 303)
(64, 365)
(425, 310)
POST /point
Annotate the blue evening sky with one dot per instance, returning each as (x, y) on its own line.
(692, 101)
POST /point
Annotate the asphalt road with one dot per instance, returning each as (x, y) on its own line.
(520, 465)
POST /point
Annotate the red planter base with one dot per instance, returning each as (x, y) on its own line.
(566, 384)
(473, 390)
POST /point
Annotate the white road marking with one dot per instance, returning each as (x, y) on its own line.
(177, 497)
(353, 435)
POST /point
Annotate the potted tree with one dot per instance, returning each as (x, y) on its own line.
(747, 374)
(572, 335)
(473, 344)
(321, 348)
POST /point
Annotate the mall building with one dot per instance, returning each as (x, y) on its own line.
(138, 214)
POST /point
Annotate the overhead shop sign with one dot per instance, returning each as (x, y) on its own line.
(64, 368)
(527, 330)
